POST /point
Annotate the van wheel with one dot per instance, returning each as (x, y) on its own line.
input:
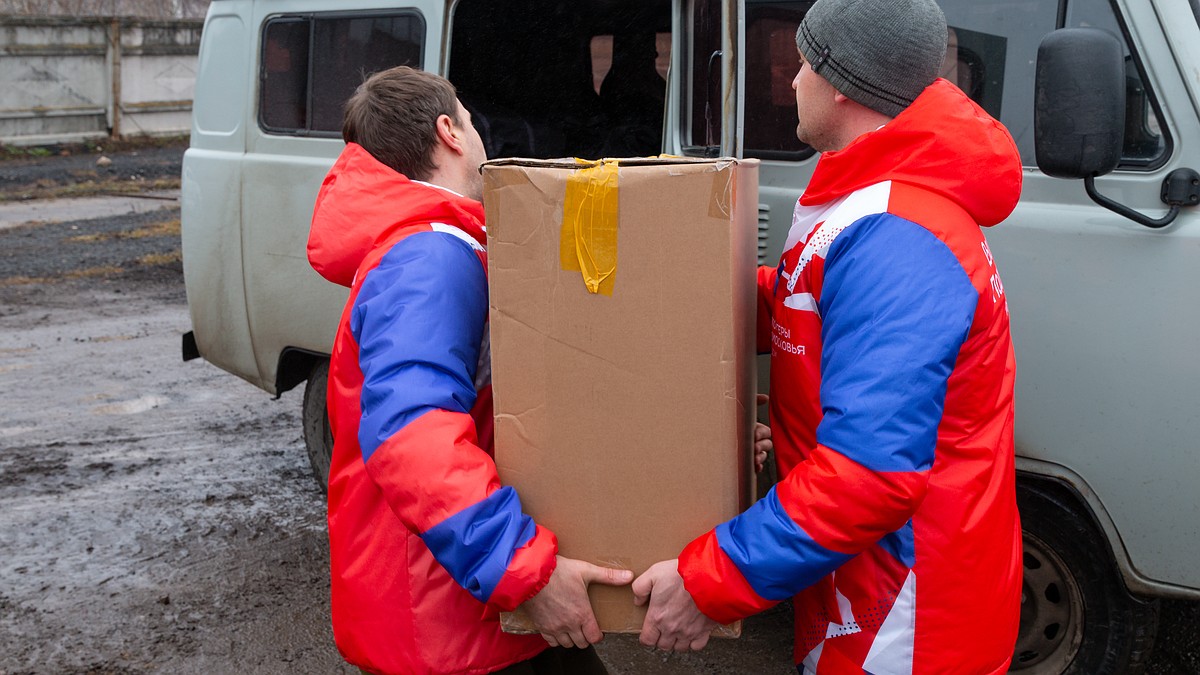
(318, 439)
(1076, 615)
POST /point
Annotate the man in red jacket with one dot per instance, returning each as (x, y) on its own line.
(894, 527)
(426, 546)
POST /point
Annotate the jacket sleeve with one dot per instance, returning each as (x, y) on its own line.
(896, 308)
(419, 319)
(767, 279)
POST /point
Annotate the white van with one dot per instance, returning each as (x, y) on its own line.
(1108, 436)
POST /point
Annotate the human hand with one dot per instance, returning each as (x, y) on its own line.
(561, 610)
(762, 440)
(762, 445)
(673, 622)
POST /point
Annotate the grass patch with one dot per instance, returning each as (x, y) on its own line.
(93, 272)
(89, 273)
(88, 188)
(104, 271)
(165, 228)
(24, 281)
(156, 259)
(91, 147)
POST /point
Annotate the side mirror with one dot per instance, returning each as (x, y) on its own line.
(1079, 103)
(1079, 119)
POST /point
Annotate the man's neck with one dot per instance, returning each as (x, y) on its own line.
(860, 121)
(451, 175)
(433, 184)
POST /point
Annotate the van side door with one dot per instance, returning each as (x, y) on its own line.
(1103, 309)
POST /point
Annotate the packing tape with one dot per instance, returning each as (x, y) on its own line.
(723, 195)
(588, 244)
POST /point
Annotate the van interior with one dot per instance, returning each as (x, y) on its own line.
(559, 78)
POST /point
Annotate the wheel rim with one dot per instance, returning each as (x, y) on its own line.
(1051, 612)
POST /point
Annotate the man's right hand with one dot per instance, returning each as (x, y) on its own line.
(561, 611)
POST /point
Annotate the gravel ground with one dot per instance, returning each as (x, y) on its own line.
(159, 516)
(78, 170)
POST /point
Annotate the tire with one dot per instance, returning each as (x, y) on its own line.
(318, 439)
(1076, 615)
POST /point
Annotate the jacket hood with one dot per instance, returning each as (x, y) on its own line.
(944, 143)
(363, 204)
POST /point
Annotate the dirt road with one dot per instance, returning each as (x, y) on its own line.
(158, 516)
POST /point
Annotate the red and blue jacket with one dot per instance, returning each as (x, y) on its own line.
(426, 546)
(895, 523)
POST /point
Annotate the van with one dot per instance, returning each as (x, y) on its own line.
(1097, 259)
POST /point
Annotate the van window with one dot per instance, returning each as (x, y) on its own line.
(992, 54)
(977, 60)
(771, 64)
(702, 69)
(311, 64)
(1145, 141)
(560, 78)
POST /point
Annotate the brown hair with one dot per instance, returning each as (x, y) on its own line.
(393, 115)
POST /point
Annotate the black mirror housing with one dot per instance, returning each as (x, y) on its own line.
(1079, 109)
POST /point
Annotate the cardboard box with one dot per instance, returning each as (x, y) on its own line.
(622, 343)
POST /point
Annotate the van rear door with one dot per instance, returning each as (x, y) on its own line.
(309, 61)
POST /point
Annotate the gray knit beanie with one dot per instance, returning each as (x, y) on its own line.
(880, 53)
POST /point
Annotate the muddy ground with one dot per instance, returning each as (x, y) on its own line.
(158, 516)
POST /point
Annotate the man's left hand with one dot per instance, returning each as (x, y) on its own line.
(561, 611)
(673, 622)
(762, 445)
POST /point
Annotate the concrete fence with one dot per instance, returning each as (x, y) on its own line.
(66, 79)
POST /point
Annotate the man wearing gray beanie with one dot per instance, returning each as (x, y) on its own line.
(894, 527)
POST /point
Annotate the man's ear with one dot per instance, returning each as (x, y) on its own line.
(839, 97)
(449, 134)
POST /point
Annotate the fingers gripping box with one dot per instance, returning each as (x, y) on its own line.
(622, 340)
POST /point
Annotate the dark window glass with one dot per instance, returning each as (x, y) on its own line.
(563, 78)
(771, 65)
(976, 61)
(991, 54)
(284, 101)
(312, 64)
(1145, 141)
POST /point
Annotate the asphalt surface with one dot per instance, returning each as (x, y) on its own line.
(158, 516)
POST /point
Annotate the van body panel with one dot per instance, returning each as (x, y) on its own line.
(210, 204)
(1135, 581)
(733, 42)
(1104, 332)
(210, 199)
(245, 315)
(226, 48)
(674, 108)
(282, 289)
